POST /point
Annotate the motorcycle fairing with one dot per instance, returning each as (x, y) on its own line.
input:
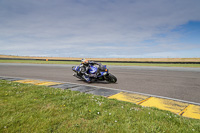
(92, 70)
(76, 68)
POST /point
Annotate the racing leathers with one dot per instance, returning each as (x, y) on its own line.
(84, 70)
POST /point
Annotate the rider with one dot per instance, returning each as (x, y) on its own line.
(85, 66)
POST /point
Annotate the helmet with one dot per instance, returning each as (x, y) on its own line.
(84, 61)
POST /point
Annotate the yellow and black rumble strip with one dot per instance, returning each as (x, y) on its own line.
(183, 108)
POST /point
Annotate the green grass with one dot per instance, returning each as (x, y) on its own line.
(30, 108)
(105, 63)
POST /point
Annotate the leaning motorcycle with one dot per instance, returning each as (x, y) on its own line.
(101, 71)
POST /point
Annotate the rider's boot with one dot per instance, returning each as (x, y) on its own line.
(86, 78)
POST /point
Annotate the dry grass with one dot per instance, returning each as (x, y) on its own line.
(111, 59)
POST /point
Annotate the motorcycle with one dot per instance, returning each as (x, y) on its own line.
(102, 74)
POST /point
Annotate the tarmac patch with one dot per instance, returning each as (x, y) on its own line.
(10, 79)
(103, 92)
(83, 88)
(64, 86)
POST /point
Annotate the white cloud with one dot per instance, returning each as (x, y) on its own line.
(117, 27)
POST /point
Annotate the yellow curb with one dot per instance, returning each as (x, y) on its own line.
(193, 111)
(37, 82)
(184, 110)
(165, 104)
(143, 101)
(34, 82)
(129, 97)
(26, 81)
(48, 83)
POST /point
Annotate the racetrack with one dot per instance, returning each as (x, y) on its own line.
(178, 83)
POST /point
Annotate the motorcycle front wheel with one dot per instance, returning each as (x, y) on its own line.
(111, 78)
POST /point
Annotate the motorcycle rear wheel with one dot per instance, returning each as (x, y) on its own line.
(111, 78)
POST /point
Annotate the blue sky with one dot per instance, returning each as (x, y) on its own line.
(100, 28)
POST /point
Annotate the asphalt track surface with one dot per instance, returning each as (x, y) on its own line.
(172, 82)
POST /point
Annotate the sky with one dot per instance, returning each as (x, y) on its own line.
(100, 28)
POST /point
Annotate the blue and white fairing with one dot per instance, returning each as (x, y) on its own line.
(93, 70)
(76, 68)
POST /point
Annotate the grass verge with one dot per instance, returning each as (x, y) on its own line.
(105, 63)
(31, 108)
(39, 62)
